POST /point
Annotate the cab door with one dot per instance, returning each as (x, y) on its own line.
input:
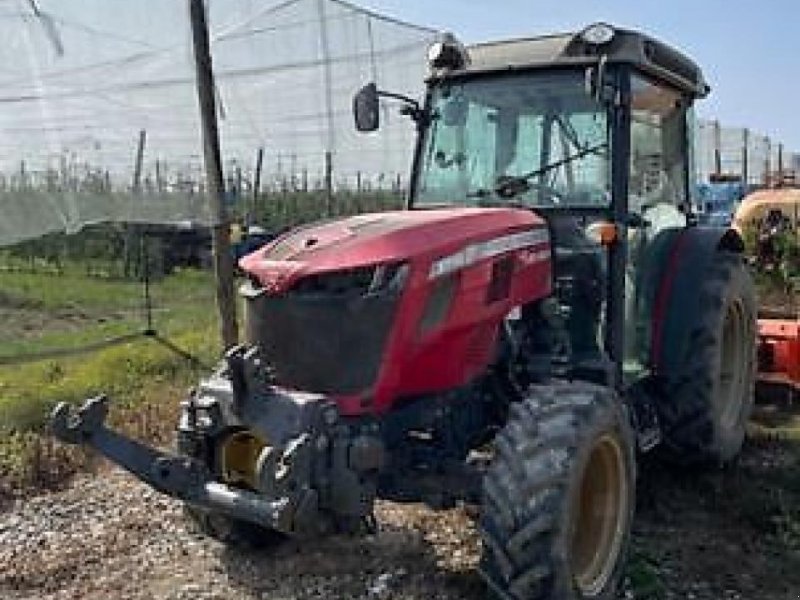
(658, 199)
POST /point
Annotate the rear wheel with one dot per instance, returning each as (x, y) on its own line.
(559, 496)
(709, 398)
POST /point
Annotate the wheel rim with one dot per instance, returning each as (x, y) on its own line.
(733, 367)
(600, 517)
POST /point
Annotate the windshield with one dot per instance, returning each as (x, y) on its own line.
(536, 139)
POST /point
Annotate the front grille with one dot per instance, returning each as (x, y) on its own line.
(328, 333)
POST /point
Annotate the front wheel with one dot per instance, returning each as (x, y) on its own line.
(559, 496)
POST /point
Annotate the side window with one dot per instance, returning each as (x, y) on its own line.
(658, 169)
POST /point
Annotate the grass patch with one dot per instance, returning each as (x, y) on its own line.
(143, 379)
(45, 312)
(28, 392)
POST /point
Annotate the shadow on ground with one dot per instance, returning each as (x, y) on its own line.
(399, 562)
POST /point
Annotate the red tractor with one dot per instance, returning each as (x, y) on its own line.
(545, 310)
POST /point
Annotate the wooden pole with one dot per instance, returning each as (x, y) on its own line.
(130, 229)
(220, 232)
(159, 182)
(257, 184)
(137, 166)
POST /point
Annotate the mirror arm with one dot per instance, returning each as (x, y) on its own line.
(412, 108)
(400, 97)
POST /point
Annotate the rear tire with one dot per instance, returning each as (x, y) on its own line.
(707, 401)
(559, 496)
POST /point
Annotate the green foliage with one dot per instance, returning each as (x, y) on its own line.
(778, 284)
(643, 578)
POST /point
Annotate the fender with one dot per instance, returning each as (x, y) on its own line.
(669, 289)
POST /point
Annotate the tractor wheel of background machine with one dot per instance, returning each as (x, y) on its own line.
(708, 399)
(559, 496)
(221, 527)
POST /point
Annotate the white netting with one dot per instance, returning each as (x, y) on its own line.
(79, 80)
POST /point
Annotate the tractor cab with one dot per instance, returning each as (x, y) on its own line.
(589, 130)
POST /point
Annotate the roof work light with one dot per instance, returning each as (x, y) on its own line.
(598, 34)
(447, 53)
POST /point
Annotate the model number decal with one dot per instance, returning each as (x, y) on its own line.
(482, 250)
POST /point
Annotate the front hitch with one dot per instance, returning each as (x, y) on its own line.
(177, 476)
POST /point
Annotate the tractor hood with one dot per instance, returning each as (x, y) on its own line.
(380, 238)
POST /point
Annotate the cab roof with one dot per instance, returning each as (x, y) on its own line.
(569, 49)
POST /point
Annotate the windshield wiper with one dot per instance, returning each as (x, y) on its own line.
(508, 186)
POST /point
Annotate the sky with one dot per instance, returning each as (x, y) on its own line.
(749, 50)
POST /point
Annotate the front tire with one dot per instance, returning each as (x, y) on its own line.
(559, 496)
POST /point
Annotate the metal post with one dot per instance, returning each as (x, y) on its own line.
(768, 162)
(220, 232)
(717, 148)
(257, 183)
(745, 156)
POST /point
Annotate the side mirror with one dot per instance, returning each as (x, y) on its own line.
(366, 109)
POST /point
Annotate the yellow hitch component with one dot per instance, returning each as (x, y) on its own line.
(239, 454)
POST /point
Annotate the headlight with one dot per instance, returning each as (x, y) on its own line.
(598, 34)
(361, 281)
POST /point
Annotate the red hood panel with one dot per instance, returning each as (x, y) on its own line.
(378, 238)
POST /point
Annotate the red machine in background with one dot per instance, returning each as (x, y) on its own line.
(779, 353)
(772, 215)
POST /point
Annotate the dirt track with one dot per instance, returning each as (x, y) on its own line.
(709, 537)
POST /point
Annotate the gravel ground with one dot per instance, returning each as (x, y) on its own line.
(109, 536)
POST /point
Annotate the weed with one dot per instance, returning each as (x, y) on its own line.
(643, 579)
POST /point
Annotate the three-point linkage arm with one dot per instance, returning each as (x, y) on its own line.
(177, 476)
